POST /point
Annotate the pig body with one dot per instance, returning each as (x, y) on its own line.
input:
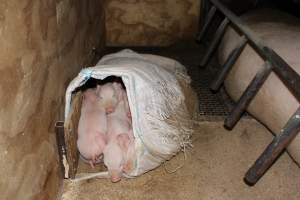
(119, 140)
(122, 95)
(274, 104)
(92, 128)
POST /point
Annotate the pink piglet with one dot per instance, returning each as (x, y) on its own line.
(119, 139)
(92, 128)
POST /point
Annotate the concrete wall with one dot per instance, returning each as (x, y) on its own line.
(150, 22)
(44, 43)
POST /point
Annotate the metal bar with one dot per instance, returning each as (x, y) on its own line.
(234, 55)
(204, 29)
(274, 149)
(239, 25)
(216, 40)
(248, 95)
(203, 12)
(61, 147)
(288, 76)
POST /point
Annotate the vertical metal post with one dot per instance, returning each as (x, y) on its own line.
(274, 149)
(248, 95)
(234, 55)
(217, 37)
(207, 22)
(202, 14)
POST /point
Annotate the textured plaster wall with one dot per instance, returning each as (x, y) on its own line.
(44, 43)
(150, 22)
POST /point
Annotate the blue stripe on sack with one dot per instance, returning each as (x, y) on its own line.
(86, 73)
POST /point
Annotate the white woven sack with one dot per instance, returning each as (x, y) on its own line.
(154, 95)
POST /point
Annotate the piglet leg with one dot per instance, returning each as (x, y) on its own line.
(91, 162)
(126, 141)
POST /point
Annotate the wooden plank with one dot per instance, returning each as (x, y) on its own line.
(274, 149)
(61, 148)
(70, 129)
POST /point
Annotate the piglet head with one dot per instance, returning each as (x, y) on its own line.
(115, 155)
(107, 96)
(89, 95)
(113, 160)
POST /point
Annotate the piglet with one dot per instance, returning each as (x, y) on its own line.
(119, 138)
(92, 128)
(110, 94)
(121, 93)
(127, 144)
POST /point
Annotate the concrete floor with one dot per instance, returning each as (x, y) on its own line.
(214, 169)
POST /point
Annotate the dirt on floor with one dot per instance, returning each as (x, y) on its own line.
(214, 169)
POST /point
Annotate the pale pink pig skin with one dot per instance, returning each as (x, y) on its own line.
(117, 155)
(92, 127)
(110, 94)
(127, 108)
(122, 95)
(128, 143)
(119, 138)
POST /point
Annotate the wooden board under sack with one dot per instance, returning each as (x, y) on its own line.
(70, 130)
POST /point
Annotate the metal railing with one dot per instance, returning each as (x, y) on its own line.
(273, 62)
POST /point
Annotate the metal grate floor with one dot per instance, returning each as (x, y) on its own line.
(211, 105)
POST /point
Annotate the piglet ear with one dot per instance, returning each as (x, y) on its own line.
(83, 94)
(98, 90)
(121, 95)
(119, 91)
(117, 86)
(123, 141)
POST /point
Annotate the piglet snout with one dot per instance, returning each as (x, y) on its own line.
(115, 176)
(109, 110)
